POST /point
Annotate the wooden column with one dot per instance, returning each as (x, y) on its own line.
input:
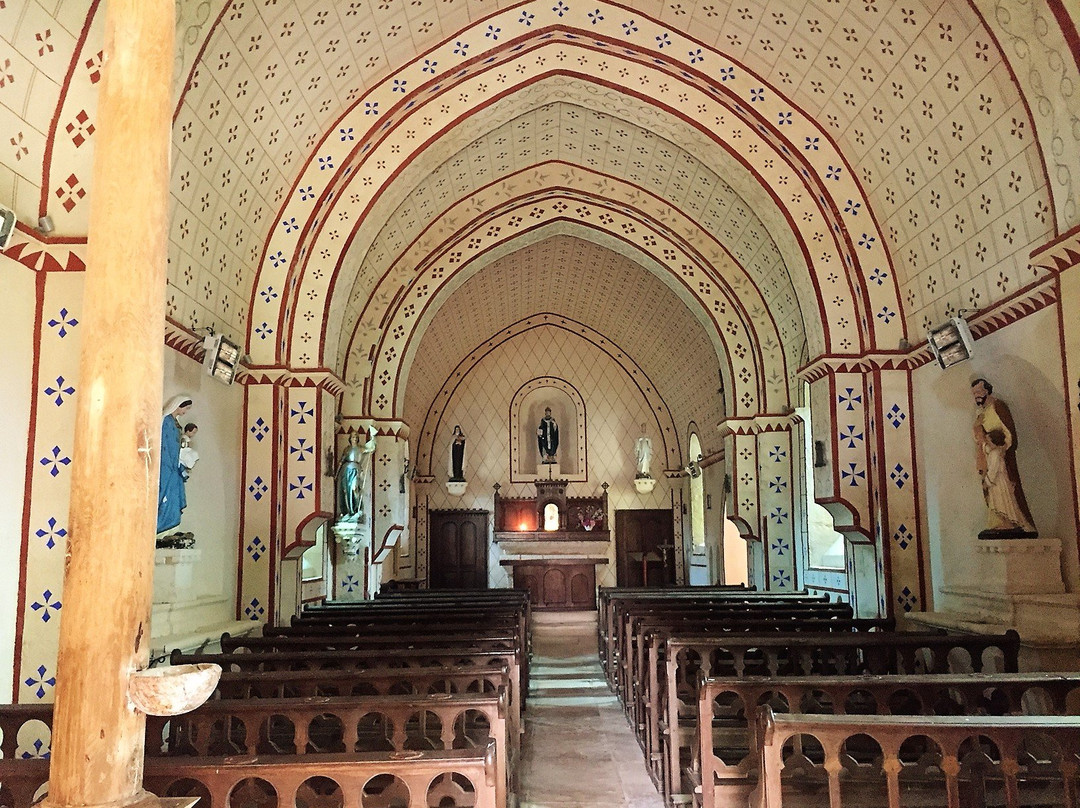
(97, 752)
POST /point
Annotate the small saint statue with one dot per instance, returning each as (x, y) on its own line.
(995, 459)
(643, 455)
(457, 455)
(547, 437)
(188, 456)
(352, 475)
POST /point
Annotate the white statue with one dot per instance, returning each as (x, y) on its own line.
(643, 454)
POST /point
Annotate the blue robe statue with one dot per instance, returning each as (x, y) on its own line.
(171, 496)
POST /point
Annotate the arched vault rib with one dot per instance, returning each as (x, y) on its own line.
(591, 276)
(429, 423)
(700, 269)
(812, 211)
(721, 298)
(636, 169)
(759, 253)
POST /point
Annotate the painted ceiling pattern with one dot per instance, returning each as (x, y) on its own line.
(612, 148)
(591, 285)
(957, 173)
(736, 317)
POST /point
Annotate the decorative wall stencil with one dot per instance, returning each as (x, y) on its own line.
(260, 518)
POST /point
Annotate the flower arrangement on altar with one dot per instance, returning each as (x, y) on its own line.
(591, 518)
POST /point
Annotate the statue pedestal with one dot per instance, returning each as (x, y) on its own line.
(1015, 583)
(352, 536)
(456, 488)
(1020, 566)
(644, 485)
(174, 571)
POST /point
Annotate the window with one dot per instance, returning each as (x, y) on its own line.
(826, 546)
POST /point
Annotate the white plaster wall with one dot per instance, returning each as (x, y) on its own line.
(212, 512)
(615, 409)
(1023, 362)
(16, 370)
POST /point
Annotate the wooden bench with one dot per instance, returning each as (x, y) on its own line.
(425, 660)
(728, 758)
(953, 761)
(414, 778)
(345, 724)
(611, 620)
(636, 627)
(373, 682)
(609, 600)
(635, 670)
(676, 665)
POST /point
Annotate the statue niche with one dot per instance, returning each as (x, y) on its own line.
(547, 432)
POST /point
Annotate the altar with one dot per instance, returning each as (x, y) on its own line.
(552, 544)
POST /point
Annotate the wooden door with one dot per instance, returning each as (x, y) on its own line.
(645, 547)
(457, 549)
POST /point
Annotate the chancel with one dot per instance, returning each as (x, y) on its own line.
(678, 391)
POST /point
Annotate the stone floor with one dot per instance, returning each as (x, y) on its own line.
(578, 750)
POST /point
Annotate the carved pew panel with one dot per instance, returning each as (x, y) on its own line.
(728, 751)
(950, 761)
(677, 664)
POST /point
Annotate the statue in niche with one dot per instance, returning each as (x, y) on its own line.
(172, 498)
(643, 455)
(457, 455)
(995, 459)
(352, 475)
(547, 437)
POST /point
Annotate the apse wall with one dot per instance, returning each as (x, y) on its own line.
(1023, 362)
(615, 408)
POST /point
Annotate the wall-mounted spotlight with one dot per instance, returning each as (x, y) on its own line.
(951, 343)
(222, 359)
(45, 225)
(7, 226)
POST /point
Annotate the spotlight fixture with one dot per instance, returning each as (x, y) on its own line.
(952, 342)
(45, 225)
(222, 357)
(7, 226)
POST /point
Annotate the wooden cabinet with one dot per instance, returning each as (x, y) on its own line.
(557, 584)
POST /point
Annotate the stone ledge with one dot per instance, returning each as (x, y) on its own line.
(1043, 621)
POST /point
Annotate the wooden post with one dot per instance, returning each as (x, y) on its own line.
(98, 736)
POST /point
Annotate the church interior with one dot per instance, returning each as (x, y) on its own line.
(720, 309)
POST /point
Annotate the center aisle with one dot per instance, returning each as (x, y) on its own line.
(578, 750)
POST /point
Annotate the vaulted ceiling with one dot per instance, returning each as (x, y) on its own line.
(803, 177)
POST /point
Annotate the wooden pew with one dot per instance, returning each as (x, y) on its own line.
(616, 604)
(635, 671)
(411, 778)
(373, 682)
(634, 623)
(728, 758)
(951, 761)
(439, 659)
(676, 665)
(345, 724)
